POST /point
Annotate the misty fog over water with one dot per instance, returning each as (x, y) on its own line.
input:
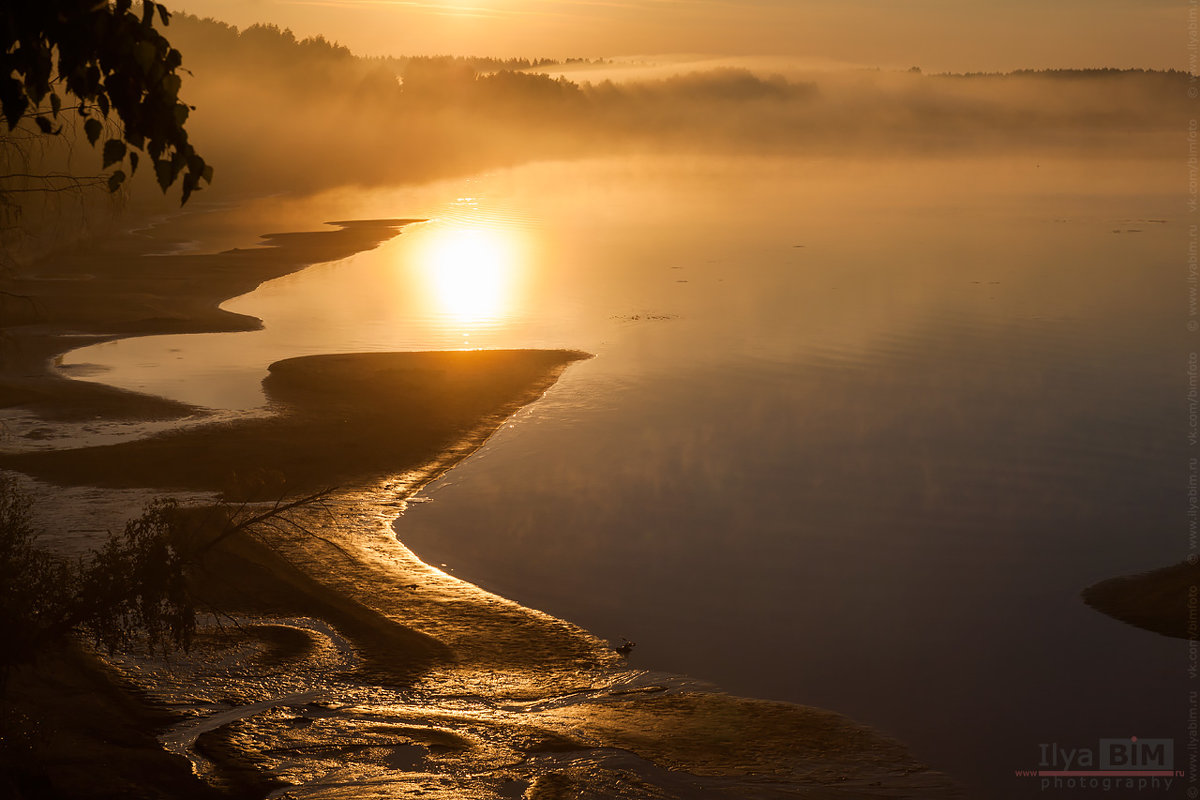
(887, 365)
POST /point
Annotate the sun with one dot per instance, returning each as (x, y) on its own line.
(470, 272)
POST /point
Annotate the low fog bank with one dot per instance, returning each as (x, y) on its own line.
(274, 114)
(279, 114)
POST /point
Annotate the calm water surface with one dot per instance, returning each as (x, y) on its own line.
(856, 436)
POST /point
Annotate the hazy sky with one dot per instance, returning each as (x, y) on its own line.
(937, 35)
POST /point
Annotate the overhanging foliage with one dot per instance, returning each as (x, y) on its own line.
(98, 59)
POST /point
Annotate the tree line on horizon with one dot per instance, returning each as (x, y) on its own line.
(410, 118)
(281, 113)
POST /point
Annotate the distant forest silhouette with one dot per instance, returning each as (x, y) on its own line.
(277, 113)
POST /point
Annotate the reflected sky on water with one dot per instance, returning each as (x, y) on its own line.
(857, 434)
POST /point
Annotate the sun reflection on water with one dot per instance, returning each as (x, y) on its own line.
(470, 272)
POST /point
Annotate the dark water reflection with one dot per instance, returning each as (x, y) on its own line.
(857, 435)
(905, 548)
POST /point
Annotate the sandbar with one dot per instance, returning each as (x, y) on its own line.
(103, 290)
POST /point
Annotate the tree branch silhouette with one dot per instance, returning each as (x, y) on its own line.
(134, 588)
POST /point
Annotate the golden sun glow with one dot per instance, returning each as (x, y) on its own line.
(470, 272)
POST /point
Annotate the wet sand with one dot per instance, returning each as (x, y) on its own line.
(489, 697)
(71, 728)
(484, 697)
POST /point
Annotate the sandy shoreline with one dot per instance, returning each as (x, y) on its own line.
(455, 654)
(112, 289)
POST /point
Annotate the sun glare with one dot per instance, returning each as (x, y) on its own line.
(470, 272)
